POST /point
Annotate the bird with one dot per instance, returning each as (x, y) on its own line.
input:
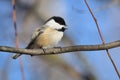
(48, 35)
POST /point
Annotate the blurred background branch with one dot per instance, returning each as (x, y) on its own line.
(102, 39)
(83, 65)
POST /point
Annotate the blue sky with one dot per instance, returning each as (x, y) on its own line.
(82, 30)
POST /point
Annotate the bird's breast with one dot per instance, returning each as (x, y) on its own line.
(49, 38)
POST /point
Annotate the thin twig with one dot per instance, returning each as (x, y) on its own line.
(16, 37)
(60, 50)
(108, 53)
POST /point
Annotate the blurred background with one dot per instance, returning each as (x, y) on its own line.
(86, 65)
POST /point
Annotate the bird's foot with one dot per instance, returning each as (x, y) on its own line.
(44, 51)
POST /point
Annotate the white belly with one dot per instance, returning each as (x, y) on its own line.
(56, 38)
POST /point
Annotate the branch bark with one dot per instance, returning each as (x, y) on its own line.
(102, 39)
(60, 50)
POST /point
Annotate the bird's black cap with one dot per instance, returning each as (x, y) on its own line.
(57, 19)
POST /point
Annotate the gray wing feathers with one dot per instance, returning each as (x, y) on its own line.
(34, 37)
(31, 44)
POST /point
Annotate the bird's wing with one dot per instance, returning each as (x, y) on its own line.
(35, 35)
(31, 44)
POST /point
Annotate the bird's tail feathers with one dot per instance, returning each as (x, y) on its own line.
(16, 56)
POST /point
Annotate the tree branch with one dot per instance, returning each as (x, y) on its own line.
(102, 39)
(61, 50)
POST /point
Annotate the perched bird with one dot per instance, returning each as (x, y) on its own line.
(48, 35)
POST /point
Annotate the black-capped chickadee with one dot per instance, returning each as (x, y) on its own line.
(48, 35)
